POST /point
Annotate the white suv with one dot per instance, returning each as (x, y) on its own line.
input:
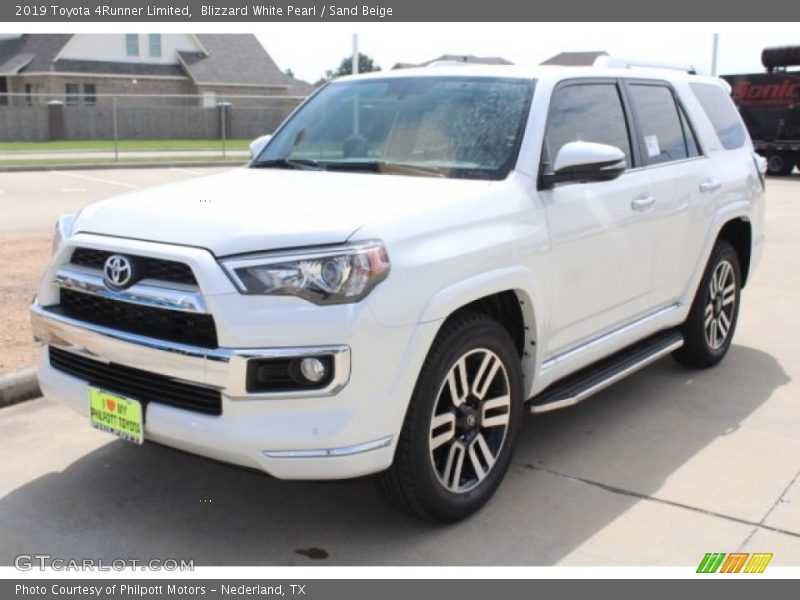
(413, 260)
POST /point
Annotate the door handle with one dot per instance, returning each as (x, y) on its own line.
(709, 185)
(643, 202)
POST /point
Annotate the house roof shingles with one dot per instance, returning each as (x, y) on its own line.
(575, 59)
(232, 59)
(44, 47)
(116, 68)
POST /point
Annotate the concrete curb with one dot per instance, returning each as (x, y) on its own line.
(18, 386)
(136, 165)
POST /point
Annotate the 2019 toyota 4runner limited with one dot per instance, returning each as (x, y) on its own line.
(412, 261)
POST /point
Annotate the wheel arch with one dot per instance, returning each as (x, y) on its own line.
(738, 232)
(509, 295)
(514, 310)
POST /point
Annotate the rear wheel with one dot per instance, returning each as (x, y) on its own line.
(462, 422)
(780, 163)
(712, 319)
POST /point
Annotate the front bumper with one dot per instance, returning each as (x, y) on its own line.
(346, 430)
(221, 368)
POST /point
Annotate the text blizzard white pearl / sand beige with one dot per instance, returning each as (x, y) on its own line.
(320, 11)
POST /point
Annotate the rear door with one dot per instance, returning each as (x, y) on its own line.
(601, 232)
(684, 182)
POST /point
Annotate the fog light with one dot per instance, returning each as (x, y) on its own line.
(313, 369)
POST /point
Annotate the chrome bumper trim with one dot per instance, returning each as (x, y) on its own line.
(84, 280)
(222, 368)
(323, 453)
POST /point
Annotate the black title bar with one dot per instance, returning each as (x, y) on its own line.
(221, 11)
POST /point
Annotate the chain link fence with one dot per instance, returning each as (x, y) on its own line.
(127, 125)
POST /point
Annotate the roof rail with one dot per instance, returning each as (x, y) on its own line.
(616, 62)
(447, 63)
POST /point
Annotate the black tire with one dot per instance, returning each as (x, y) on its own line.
(414, 483)
(705, 345)
(780, 163)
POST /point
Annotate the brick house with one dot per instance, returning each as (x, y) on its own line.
(81, 69)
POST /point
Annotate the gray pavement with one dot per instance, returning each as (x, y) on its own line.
(658, 470)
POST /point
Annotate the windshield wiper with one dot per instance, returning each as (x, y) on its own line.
(378, 166)
(300, 164)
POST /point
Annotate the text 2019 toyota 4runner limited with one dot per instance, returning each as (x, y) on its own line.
(412, 261)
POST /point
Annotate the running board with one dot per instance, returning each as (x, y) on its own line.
(577, 387)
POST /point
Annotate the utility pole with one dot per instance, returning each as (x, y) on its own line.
(355, 54)
(714, 52)
(356, 124)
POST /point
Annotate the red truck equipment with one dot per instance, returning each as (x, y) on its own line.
(769, 103)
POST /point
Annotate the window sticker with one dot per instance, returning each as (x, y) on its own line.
(653, 149)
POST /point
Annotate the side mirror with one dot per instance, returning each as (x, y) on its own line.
(582, 162)
(258, 145)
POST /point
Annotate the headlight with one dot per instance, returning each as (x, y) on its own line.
(63, 229)
(335, 275)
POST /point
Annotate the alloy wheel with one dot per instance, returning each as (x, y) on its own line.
(720, 305)
(470, 420)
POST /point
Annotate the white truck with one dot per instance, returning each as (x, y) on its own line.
(412, 261)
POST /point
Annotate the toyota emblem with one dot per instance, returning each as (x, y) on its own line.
(117, 272)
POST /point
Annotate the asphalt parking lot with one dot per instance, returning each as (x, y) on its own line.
(658, 470)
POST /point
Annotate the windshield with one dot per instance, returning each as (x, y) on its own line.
(460, 127)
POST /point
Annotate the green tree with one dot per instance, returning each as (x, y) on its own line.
(365, 65)
(289, 72)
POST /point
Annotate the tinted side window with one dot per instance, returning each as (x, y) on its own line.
(722, 113)
(691, 139)
(659, 123)
(590, 112)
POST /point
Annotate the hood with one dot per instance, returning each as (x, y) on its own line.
(253, 210)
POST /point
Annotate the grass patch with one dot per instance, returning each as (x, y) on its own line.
(182, 160)
(124, 145)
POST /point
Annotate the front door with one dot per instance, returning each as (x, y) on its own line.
(602, 233)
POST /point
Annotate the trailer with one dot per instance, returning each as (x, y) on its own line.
(769, 103)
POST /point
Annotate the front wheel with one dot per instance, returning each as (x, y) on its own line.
(708, 331)
(457, 439)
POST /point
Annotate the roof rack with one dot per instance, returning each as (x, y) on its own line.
(447, 63)
(616, 62)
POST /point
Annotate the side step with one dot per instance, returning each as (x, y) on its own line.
(580, 385)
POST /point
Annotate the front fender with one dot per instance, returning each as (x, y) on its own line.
(518, 279)
(461, 293)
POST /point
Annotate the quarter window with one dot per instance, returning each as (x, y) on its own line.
(660, 124)
(590, 112)
(720, 110)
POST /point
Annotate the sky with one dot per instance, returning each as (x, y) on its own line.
(310, 49)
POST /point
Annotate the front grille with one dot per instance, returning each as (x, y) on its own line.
(148, 268)
(137, 384)
(163, 324)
